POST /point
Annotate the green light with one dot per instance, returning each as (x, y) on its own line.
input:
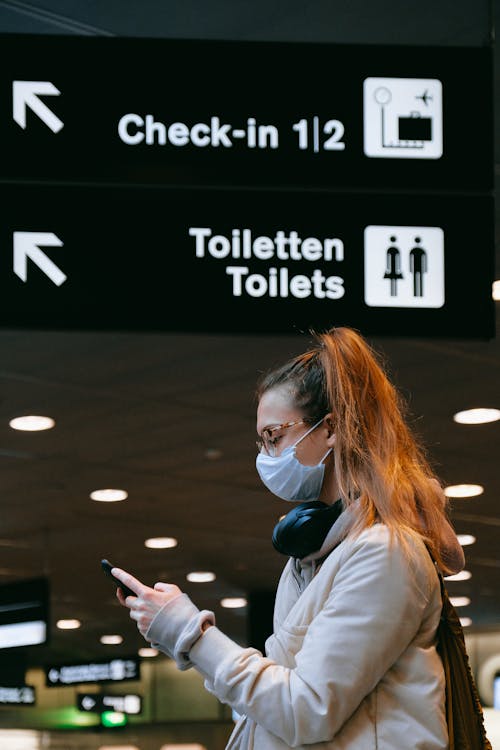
(66, 717)
(113, 719)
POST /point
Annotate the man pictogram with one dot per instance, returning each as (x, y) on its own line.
(418, 266)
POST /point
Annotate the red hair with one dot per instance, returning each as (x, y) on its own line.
(378, 460)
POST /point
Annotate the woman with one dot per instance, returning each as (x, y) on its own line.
(352, 662)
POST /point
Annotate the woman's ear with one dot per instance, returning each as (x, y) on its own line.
(329, 424)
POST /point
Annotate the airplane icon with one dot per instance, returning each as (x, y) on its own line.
(425, 96)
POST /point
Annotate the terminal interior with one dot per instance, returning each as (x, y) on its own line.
(168, 418)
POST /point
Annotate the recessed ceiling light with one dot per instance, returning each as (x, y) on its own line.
(459, 601)
(32, 423)
(200, 576)
(463, 490)
(477, 416)
(212, 454)
(68, 624)
(109, 495)
(233, 602)
(466, 539)
(463, 575)
(147, 652)
(160, 542)
(465, 621)
(111, 640)
(496, 290)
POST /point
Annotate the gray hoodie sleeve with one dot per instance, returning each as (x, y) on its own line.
(176, 628)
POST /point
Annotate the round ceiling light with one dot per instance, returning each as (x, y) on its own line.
(201, 576)
(68, 624)
(466, 539)
(160, 542)
(463, 490)
(109, 495)
(32, 423)
(459, 601)
(111, 640)
(233, 602)
(477, 416)
(463, 575)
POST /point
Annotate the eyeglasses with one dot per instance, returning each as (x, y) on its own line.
(268, 438)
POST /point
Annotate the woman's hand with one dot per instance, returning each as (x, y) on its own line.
(147, 602)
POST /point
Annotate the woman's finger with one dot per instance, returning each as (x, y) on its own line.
(132, 583)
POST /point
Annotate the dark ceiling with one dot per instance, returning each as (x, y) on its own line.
(171, 419)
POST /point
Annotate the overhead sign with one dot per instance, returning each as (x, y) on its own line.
(114, 670)
(98, 702)
(24, 613)
(22, 695)
(318, 184)
(238, 261)
(290, 115)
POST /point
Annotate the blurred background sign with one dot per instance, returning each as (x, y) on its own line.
(111, 670)
(99, 702)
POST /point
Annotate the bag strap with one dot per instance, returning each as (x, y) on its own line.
(450, 629)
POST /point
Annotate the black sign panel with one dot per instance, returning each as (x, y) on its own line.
(245, 261)
(17, 695)
(111, 670)
(99, 702)
(24, 613)
(245, 114)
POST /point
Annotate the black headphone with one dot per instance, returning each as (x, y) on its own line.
(303, 530)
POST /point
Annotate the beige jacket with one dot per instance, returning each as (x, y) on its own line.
(352, 663)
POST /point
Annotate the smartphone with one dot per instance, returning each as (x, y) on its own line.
(106, 566)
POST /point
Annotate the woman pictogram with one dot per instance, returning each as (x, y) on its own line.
(393, 266)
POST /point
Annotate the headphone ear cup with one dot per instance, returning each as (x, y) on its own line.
(304, 528)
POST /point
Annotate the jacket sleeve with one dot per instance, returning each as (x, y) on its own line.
(375, 609)
(177, 627)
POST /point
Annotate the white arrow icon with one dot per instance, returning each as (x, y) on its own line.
(88, 703)
(26, 246)
(25, 94)
(54, 675)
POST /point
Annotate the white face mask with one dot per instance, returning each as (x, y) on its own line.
(287, 478)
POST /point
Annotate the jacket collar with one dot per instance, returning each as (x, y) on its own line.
(337, 534)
